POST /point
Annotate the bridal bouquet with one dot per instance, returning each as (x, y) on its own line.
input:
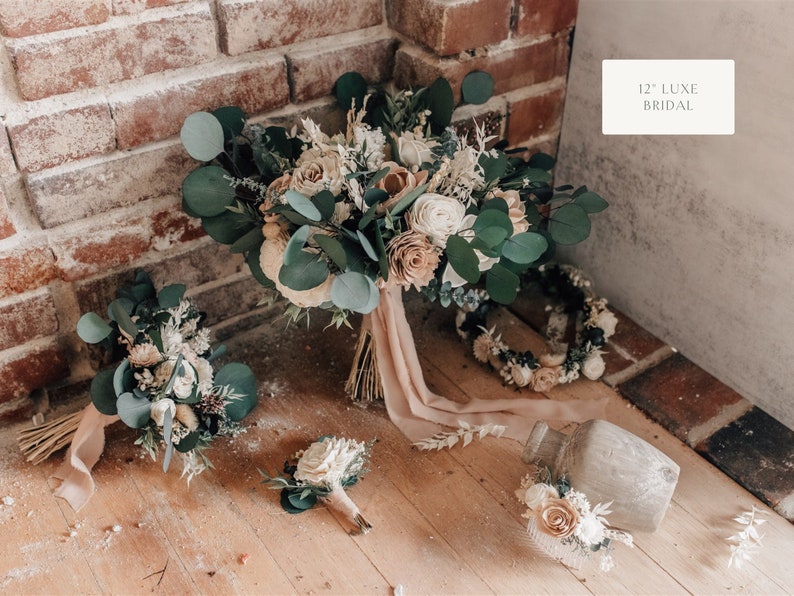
(165, 385)
(399, 198)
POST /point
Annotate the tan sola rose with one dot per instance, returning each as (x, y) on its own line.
(317, 172)
(516, 209)
(557, 518)
(398, 183)
(544, 379)
(412, 259)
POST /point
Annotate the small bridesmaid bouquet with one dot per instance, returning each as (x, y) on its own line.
(321, 473)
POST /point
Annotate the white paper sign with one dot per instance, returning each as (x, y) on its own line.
(667, 97)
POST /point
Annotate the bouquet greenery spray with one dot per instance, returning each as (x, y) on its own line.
(398, 198)
(165, 384)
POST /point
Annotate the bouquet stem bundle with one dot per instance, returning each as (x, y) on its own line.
(364, 382)
(41, 441)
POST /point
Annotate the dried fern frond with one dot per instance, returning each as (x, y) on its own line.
(466, 432)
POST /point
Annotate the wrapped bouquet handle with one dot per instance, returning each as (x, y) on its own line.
(418, 412)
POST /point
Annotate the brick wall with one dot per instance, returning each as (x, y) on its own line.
(93, 94)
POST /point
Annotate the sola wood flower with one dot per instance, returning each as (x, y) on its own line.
(320, 473)
(564, 525)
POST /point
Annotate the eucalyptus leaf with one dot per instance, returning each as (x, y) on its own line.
(232, 120)
(292, 502)
(501, 284)
(477, 87)
(240, 378)
(408, 200)
(383, 258)
(227, 227)
(302, 205)
(541, 161)
(373, 196)
(494, 166)
(202, 136)
(569, 224)
(440, 102)
(333, 248)
(169, 450)
(525, 248)
(121, 378)
(248, 241)
(188, 442)
(489, 239)
(168, 422)
(217, 353)
(207, 192)
(295, 244)
(489, 218)
(590, 201)
(367, 246)
(352, 291)
(171, 296)
(350, 89)
(122, 318)
(103, 396)
(306, 271)
(133, 411)
(463, 259)
(325, 203)
(92, 328)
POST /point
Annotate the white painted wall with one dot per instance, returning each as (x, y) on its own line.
(698, 243)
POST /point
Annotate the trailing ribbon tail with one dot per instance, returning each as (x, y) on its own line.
(418, 412)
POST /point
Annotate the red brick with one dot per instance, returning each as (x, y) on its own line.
(248, 25)
(21, 18)
(540, 17)
(512, 67)
(26, 267)
(91, 57)
(50, 138)
(81, 190)
(31, 367)
(533, 113)
(204, 262)
(452, 26)
(135, 6)
(684, 398)
(314, 72)
(6, 225)
(26, 317)
(158, 113)
(120, 239)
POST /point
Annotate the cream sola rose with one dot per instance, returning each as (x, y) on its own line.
(436, 216)
(327, 465)
(413, 150)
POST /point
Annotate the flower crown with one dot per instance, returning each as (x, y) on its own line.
(596, 324)
(165, 384)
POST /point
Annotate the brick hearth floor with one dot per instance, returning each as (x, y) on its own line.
(743, 441)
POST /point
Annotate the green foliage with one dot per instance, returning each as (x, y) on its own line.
(241, 383)
(92, 329)
(202, 136)
(134, 411)
(103, 394)
(477, 87)
(207, 192)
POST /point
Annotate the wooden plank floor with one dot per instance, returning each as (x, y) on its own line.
(444, 522)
